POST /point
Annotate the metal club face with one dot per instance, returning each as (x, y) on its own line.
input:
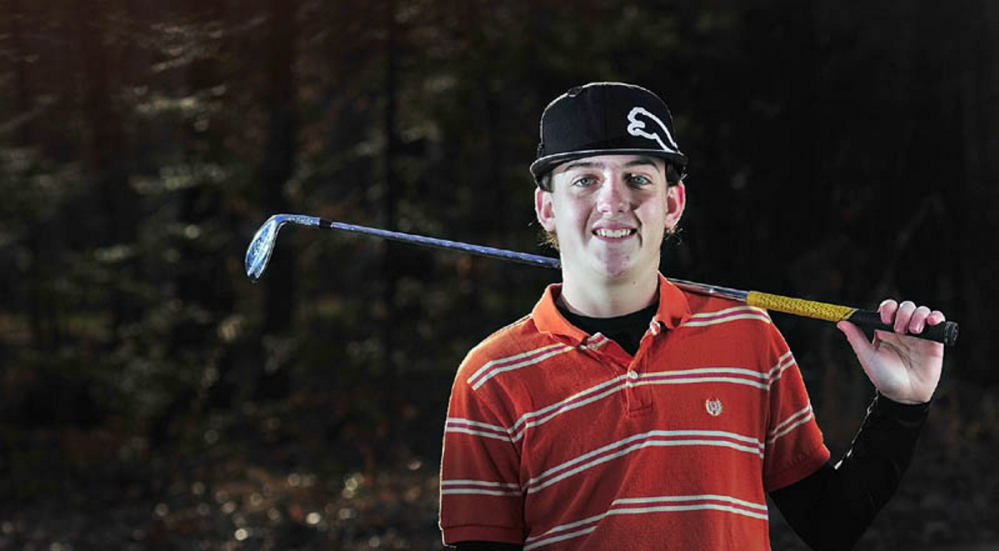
(261, 247)
(258, 254)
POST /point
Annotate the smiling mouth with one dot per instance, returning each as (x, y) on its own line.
(613, 234)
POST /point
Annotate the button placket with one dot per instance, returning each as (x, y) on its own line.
(639, 396)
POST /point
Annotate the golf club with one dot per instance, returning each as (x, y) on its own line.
(258, 254)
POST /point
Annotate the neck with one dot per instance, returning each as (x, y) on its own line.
(609, 298)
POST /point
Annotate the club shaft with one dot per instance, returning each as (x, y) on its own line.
(945, 332)
(480, 250)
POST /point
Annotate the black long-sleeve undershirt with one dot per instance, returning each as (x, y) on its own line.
(832, 508)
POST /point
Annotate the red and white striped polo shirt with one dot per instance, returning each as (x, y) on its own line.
(561, 440)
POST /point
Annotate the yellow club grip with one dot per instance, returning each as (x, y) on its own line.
(799, 307)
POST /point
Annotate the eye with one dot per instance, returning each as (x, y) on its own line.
(638, 180)
(584, 181)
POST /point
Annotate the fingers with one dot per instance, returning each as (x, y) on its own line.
(907, 317)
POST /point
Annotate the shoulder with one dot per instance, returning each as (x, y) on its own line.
(516, 340)
(706, 310)
(733, 322)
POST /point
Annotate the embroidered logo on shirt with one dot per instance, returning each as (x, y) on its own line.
(714, 407)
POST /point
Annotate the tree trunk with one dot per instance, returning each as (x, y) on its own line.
(979, 92)
(273, 378)
(105, 151)
(390, 269)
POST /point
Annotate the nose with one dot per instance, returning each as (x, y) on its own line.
(613, 195)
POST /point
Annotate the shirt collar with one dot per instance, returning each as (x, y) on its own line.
(672, 312)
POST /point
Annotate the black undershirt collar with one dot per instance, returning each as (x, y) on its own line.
(627, 330)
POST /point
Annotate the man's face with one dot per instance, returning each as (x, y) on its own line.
(610, 214)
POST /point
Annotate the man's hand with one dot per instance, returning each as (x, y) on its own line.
(903, 368)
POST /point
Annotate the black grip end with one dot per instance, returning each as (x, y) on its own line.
(869, 320)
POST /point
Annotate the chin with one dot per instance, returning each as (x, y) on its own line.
(628, 268)
(617, 269)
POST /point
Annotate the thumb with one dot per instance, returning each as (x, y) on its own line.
(858, 340)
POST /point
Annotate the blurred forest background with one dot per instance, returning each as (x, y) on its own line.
(152, 397)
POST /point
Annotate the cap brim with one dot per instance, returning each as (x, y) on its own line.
(546, 164)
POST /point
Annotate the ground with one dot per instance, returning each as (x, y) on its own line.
(253, 485)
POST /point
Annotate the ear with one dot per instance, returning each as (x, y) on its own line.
(676, 200)
(543, 209)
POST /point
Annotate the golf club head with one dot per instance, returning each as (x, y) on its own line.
(258, 254)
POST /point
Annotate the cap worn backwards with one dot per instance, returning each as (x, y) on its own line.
(604, 118)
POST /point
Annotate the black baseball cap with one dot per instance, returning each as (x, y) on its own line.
(603, 118)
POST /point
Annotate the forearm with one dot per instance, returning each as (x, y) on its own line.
(831, 509)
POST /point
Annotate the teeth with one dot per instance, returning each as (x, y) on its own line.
(613, 233)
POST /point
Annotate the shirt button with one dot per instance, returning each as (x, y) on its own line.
(632, 375)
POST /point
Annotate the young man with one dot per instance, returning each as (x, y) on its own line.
(625, 413)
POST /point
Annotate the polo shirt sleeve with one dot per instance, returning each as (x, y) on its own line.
(794, 444)
(481, 495)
